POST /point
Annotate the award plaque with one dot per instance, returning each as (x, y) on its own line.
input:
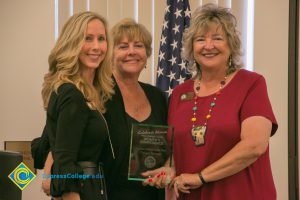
(149, 149)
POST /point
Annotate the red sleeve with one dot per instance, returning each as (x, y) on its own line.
(257, 103)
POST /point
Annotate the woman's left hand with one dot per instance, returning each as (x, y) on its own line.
(159, 178)
(186, 182)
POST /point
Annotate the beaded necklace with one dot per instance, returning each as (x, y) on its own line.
(198, 132)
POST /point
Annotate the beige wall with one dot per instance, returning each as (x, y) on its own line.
(27, 35)
(271, 60)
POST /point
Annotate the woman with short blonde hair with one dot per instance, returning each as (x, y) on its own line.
(134, 102)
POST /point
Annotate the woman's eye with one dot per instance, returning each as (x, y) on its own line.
(200, 39)
(101, 38)
(123, 47)
(88, 38)
(139, 45)
(218, 38)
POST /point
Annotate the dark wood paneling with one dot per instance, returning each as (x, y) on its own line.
(293, 99)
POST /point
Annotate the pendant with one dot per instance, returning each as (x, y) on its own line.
(198, 135)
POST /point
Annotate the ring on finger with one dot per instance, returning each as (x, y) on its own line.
(168, 180)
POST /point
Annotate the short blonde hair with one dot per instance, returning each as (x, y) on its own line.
(64, 63)
(131, 29)
(201, 18)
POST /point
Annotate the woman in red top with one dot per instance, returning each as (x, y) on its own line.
(222, 117)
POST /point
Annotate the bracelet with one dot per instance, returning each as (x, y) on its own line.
(202, 179)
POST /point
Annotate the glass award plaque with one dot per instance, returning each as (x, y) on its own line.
(149, 149)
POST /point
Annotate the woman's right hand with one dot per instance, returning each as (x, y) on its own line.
(47, 171)
(46, 186)
(159, 178)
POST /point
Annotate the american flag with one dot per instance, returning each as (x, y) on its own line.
(171, 69)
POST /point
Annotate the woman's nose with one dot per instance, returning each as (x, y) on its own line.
(209, 44)
(131, 50)
(95, 44)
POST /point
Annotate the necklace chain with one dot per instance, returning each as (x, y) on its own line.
(198, 132)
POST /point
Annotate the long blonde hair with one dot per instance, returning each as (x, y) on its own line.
(64, 63)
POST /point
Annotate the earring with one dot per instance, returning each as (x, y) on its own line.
(145, 66)
(196, 65)
(197, 71)
(230, 62)
(231, 68)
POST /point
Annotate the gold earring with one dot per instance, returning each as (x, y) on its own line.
(230, 62)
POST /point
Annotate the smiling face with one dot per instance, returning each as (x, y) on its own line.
(94, 47)
(129, 57)
(211, 49)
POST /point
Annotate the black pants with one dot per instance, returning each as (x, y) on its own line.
(92, 189)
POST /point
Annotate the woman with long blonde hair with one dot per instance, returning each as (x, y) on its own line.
(74, 93)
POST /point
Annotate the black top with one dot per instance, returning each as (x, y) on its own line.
(76, 133)
(119, 124)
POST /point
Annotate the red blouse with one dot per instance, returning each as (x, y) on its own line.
(244, 96)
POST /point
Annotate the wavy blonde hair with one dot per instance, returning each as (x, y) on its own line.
(64, 64)
(201, 18)
(131, 29)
